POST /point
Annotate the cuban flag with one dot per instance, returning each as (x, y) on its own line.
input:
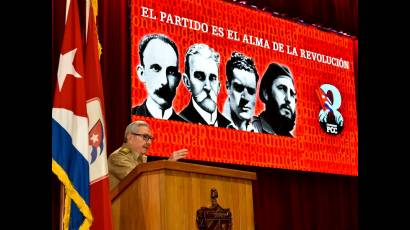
(100, 199)
(324, 100)
(70, 150)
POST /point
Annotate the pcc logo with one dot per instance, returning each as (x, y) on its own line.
(330, 119)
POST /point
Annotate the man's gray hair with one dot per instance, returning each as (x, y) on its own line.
(133, 127)
(203, 50)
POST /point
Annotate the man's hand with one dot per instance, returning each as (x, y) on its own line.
(179, 154)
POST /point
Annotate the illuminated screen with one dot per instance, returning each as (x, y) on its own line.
(237, 85)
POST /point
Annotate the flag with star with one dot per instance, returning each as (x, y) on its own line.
(100, 199)
(70, 146)
(324, 100)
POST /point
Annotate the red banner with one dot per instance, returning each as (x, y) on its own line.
(325, 135)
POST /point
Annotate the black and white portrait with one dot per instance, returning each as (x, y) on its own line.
(158, 70)
(277, 92)
(201, 78)
(242, 78)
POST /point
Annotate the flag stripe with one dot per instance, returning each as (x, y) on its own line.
(76, 126)
(66, 155)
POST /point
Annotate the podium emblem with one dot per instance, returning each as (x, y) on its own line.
(214, 217)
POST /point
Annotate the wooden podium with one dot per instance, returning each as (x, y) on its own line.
(166, 195)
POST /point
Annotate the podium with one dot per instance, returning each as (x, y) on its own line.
(167, 195)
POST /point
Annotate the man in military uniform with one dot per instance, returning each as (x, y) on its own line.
(137, 140)
(277, 92)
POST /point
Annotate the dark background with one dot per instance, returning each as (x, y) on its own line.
(283, 199)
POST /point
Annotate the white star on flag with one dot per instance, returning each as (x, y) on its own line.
(94, 138)
(65, 67)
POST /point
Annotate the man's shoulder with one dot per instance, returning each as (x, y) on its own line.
(261, 125)
(176, 117)
(256, 119)
(187, 109)
(120, 153)
(188, 113)
(140, 109)
(257, 124)
(223, 121)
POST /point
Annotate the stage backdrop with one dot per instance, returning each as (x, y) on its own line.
(325, 137)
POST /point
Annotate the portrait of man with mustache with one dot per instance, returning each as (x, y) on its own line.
(277, 92)
(201, 78)
(158, 70)
(242, 78)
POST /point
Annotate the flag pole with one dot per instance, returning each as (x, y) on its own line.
(62, 195)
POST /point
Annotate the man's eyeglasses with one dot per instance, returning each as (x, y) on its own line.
(146, 137)
(239, 88)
